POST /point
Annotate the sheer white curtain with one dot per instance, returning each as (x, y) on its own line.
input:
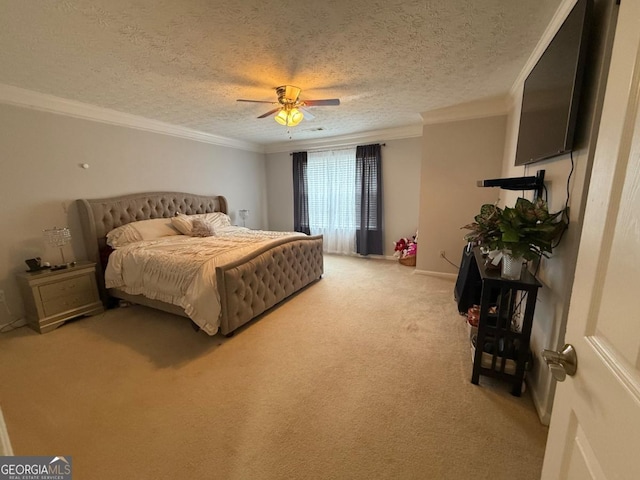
(331, 178)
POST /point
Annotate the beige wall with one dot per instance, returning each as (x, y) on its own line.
(556, 274)
(401, 183)
(456, 155)
(280, 191)
(40, 157)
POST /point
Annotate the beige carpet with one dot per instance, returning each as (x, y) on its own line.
(363, 375)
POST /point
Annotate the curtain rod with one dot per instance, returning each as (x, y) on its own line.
(334, 149)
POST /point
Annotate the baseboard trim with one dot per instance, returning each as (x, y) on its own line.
(5, 443)
(364, 257)
(376, 257)
(543, 414)
(445, 276)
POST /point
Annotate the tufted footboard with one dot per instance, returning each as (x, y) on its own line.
(256, 282)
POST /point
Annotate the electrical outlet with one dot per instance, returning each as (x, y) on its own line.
(2, 296)
(442, 253)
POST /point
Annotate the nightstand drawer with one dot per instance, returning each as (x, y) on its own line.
(76, 285)
(68, 302)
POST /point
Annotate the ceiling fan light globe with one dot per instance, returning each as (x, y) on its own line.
(281, 117)
(295, 117)
(289, 117)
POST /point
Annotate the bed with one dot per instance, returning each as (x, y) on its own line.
(244, 287)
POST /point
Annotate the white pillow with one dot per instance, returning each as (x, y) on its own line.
(142, 230)
(184, 223)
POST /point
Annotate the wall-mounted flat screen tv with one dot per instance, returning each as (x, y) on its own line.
(552, 91)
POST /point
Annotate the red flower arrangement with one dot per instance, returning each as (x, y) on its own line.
(405, 247)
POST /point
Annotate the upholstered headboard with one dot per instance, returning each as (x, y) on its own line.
(100, 216)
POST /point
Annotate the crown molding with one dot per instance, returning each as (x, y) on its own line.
(486, 107)
(408, 131)
(558, 18)
(48, 103)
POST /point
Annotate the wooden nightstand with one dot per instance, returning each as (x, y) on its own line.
(53, 297)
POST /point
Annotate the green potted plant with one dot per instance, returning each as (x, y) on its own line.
(526, 231)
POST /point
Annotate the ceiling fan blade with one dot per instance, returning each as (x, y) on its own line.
(270, 112)
(255, 101)
(307, 114)
(320, 103)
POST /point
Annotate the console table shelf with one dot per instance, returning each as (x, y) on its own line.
(501, 349)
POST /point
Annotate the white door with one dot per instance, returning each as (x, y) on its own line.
(595, 426)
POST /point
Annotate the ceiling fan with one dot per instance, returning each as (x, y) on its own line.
(291, 109)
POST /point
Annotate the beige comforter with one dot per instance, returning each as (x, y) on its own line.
(181, 270)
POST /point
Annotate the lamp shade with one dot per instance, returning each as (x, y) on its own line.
(289, 117)
(282, 117)
(58, 237)
(295, 117)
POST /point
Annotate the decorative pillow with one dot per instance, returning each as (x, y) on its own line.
(217, 219)
(200, 228)
(142, 230)
(122, 236)
(184, 222)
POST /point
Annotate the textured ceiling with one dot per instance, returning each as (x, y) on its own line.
(186, 62)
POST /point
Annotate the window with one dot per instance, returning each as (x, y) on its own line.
(338, 194)
(331, 190)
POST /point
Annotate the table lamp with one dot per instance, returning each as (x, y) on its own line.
(244, 214)
(58, 237)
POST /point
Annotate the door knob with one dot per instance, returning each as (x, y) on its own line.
(561, 363)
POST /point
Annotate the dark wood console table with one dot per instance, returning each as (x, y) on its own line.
(501, 347)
